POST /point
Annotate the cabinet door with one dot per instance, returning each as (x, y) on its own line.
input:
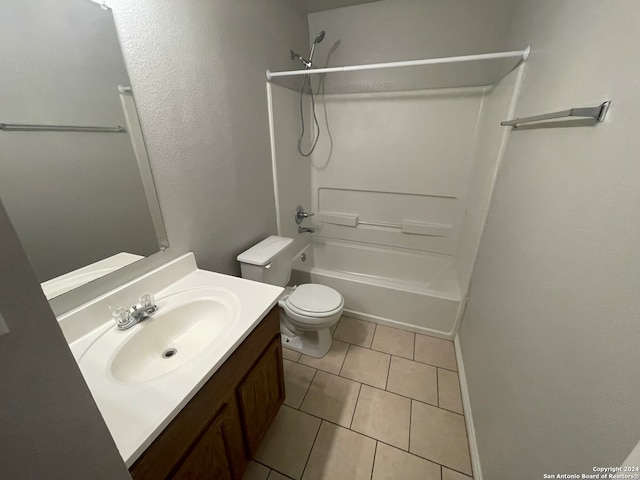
(260, 395)
(210, 456)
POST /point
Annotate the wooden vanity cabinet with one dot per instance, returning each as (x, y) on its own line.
(217, 432)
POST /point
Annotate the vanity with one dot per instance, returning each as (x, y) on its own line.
(191, 391)
(220, 429)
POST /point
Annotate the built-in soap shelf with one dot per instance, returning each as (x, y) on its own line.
(411, 227)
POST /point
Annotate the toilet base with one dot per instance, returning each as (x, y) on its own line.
(315, 343)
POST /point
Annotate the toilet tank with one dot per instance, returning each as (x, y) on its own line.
(268, 261)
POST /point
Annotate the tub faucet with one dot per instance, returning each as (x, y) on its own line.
(126, 318)
(306, 229)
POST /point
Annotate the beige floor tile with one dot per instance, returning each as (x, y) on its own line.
(435, 351)
(288, 442)
(384, 416)
(255, 471)
(340, 454)
(394, 341)
(413, 379)
(440, 436)
(276, 476)
(332, 361)
(451, 475)
(332, 398)
(297, 379)
(357, 332)
(366, 366)
(449, 391)
(394, 464)
(289, 354)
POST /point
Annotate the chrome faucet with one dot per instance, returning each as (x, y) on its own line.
(126, 318)
(306, 230)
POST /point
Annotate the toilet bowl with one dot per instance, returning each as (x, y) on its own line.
(308, 311)
(307, 314)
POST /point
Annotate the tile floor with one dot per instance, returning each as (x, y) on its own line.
(383, 404)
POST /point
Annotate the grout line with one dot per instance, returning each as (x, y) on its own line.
(308, 388)
(311, 450)
(410, 424)
(392, 354)
(277, 471)
(344, 359)
(438, 386)
(437, 366)
(373, 465)
(415, 340)
(386, 382)
(353, 415)
(375, 330)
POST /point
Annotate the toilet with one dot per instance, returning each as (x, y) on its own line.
(308, 311)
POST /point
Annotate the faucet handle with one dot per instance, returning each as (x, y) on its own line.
(301, 214)
(147, 300)
(121, 315)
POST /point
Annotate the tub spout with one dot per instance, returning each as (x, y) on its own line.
(306, 229)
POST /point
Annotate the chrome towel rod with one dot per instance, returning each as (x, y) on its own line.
(599, 113)
(28, 127)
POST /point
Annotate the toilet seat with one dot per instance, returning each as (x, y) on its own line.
(313, 303)
(315, 300)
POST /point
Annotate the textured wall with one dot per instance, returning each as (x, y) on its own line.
(550, 338)
(197, 71)
(51, 427)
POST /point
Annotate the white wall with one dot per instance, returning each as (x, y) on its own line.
(498, 104)
(550, 338)
(394, 156)
(197, 71)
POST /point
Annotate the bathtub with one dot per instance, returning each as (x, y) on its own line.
(418, 291)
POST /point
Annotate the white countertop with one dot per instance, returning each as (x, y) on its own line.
(136, 413)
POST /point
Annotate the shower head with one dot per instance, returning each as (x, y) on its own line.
(317, 40)
(304, 61)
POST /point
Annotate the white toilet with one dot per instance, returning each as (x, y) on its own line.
(308, 311)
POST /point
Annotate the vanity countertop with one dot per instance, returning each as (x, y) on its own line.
(136, 411)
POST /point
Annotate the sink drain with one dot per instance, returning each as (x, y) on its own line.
(169, 352)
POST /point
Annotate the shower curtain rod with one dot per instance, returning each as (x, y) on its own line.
(524, 54)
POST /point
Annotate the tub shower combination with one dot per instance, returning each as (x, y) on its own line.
(414, 290)
(401, 186)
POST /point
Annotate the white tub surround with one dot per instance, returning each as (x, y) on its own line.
(137, 411)
(416, 290)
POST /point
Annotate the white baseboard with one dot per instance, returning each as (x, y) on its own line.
(468, 417)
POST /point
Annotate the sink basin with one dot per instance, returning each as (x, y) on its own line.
(186, 324)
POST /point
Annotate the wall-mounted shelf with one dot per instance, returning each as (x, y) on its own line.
(447, 72)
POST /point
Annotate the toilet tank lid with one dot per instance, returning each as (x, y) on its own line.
(265, 251)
